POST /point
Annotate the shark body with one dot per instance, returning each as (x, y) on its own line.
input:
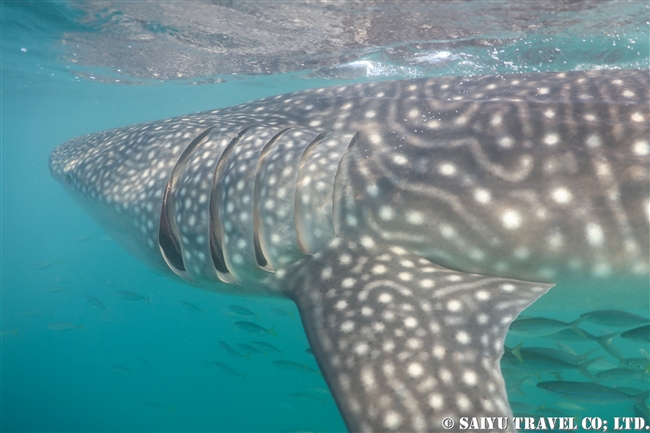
(410, 221)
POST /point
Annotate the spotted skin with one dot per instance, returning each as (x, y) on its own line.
(403, 342)
(410, 221)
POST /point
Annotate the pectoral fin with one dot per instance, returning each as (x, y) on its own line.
(402, 342)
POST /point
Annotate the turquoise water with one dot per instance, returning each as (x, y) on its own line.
(146, 366)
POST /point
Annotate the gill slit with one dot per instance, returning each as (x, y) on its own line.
(169, 239)
(216, 224)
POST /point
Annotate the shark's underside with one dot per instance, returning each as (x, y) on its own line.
(411, 221)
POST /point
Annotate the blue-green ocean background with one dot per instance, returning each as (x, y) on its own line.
(67, 381)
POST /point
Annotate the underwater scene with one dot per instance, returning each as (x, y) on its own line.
(92, 339)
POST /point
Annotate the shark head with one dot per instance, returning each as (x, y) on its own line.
(411, 221)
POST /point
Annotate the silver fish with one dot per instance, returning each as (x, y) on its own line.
(540, 326)
(620, 374)
(45, 264)
(266, 347)
(642, 333)
(132, 296)
(302, 396)
(642, 364)
(411, 221)
(242, 311)
(35, 312)
(65, 326)
(190, 307)
(591, 392)
(232, 352)
(254, 329)
(290, 365)
(228, 370)
(6, 332)
(95, 302)
(65, 279)
(281, 312)
(615, 318)
(121, 369)
(56, 289)
(249, 350)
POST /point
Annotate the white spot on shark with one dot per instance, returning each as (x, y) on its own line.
(482, 195)
(511, 219)
(447, 169)
(551, 139)
(641, 148)
(561, 195)
(595, 235)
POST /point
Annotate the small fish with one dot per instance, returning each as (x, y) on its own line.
(591, 392)
(288, 407)
(642, 376)
(616, 318)
(516, 386)
(132, 296)
(155, 407)
(641, 364)
(549, 411)
(558, 354)
(232, 352)
(250, 350)
(301, 396)
(602, 365)
(290, 365)
(540, 326)
(189, 306)
(535, 362)
(565, 348)
(252, 328)
(5, 333)
(121, 369)
(34, 313)
(642, 333)
(644, 353)
(628, 390)
(520, 407)
(567, 405)
(38, 266)
(318, 390)
(82, 238)
(616, 374)
(95, 302)
(65, 279)
(568, 335)
(281, 313)
(56, 289)
(65, 326)
(642, 411)
(111, 283)
(605, 342)
(266, 347)
(242, 311)
(308, 351)
(228, 370)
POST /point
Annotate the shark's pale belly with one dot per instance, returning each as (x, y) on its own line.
(411, 221)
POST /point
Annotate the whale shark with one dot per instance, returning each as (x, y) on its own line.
(410, 221)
